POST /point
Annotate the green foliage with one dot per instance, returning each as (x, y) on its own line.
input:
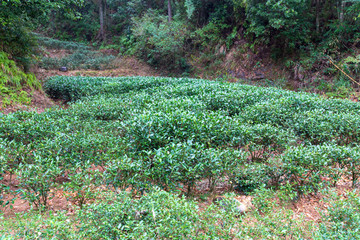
(159, 42)
(80, 59)
(13, 82)
(251, 177)
(137, 133)
(51, 43)
(37, 179)
(309, 168)
(77, 55)
(157, 215)
(126, 172)
(342, 218)
(81, 183)
(16, 17)
(283, 22)
(187, 163)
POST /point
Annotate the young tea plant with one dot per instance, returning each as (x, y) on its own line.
(83, 183)
(37, 179)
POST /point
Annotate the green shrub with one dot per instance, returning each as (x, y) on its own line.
(250, 177)
(125, 172)
(82, 183)
(161, 43)
(153, 130)
(187, 163)
(81, 59)
(319, 126)
(36, 179)
(307, 168)
(342, 218)
(74, 88)
(24, 127)
(156, 215)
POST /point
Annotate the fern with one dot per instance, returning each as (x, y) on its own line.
(12, 82)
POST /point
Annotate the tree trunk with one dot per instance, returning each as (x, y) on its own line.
(342, 7)
(169, 11)
(318, 16)
(101, 16)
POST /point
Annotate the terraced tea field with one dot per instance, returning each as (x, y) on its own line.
(137, 156)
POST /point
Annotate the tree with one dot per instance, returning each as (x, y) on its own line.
(12, 11)
(102, 15)
(17, 16)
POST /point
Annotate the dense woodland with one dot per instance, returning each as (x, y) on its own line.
(160, 31)
(242, 120)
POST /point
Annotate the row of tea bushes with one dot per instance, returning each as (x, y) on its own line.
(306, 169)
(157, 215)
(146, 131)
(161, 215)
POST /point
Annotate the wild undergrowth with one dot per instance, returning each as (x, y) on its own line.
(14, 82)
(158, 138)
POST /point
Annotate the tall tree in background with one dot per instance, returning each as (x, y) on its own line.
(102, 16)
(17, 17)
(169, 10)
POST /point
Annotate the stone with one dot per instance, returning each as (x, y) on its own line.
(227, 203)
(140, 214)
(63, 69)
(258, 75)
(241, 208)
(222, 49)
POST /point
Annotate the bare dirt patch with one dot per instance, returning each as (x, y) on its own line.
(39, 103)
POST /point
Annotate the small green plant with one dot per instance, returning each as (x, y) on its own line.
(80, 59)
(37, 179)
(123, 173)
(82, 183)
(157, 215)
(342, 218)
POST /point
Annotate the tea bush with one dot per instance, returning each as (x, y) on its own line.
(81, 183)
(125, 172)
(309, 168)
(341, 221)
(78, 55)
(251, 177)
(52, 43)
(187, 163)
(134, 133)
(37, 179)
(157, 215)
(80, 59)
(149, 118)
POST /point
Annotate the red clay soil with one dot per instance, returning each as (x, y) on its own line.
(310, 206)
(39, 102)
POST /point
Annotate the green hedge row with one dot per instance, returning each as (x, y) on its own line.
(144, 131)
(304, 169)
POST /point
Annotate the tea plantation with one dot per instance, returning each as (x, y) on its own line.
(157, 138)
